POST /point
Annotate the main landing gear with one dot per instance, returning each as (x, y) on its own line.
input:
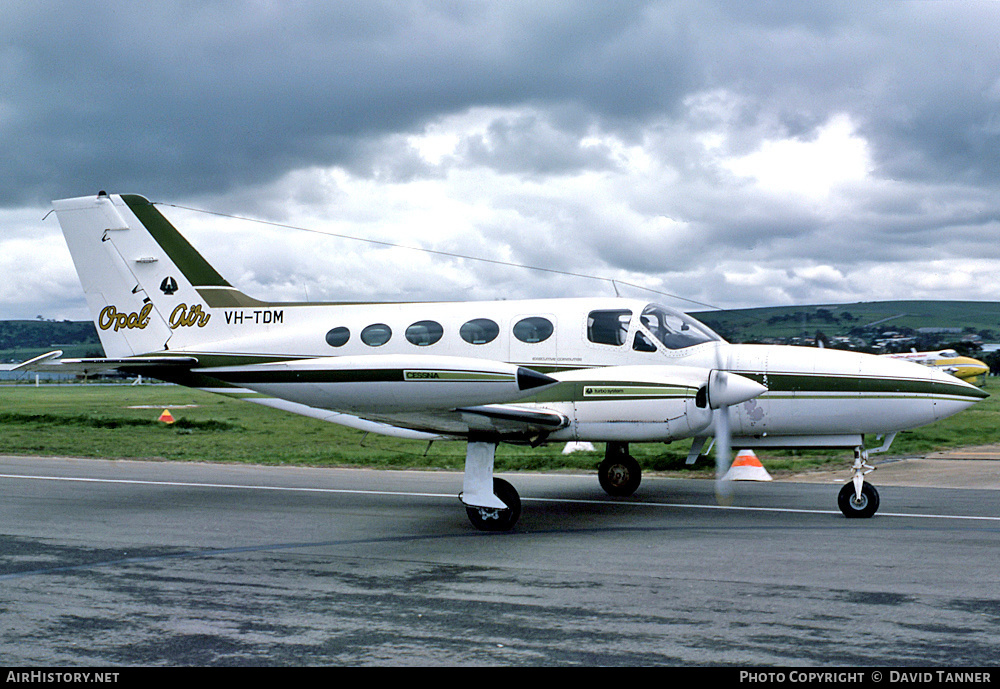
(491, 503)
(619, 473)
(496, 518)
(858, 499)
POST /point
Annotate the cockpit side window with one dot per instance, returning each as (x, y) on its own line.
(641, 343)
(608, 327)
(673, 329)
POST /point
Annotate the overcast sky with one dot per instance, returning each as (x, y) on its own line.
(737, 154)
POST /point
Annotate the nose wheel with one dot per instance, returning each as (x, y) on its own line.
(856, 506)
(859, 499)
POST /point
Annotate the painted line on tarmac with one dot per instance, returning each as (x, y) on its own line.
(236, 486)
(451, 496)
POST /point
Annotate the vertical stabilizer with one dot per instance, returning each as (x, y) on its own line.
(147, 288)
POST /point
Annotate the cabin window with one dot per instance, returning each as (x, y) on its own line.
(479, 331)
(533, 329)
(608, 327)
(338, 337)
(423, 333)
(376, 335)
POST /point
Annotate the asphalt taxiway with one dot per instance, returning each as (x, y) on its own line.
(119, 563)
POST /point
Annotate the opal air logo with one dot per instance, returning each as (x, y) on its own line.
(181, 317)
(110, 317)
(185, 317)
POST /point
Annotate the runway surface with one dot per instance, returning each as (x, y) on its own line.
(118, 563)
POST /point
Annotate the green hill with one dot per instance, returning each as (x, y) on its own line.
(20, 340)
(924, 322)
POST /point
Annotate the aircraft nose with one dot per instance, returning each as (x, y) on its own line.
(933, 395)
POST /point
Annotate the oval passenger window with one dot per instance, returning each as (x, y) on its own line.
(533, 329)
(376, 335)
(423, 333)
(338, 337)
(479, 331)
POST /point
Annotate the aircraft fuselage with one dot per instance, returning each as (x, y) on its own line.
(814, 397)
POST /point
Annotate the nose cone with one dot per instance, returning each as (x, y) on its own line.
(920, 394)
(916, 378)
(726, 389)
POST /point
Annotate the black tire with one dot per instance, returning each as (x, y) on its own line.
(619, 474)
(855, 509)
(489, 519)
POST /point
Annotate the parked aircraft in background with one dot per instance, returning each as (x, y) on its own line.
(610, 370)
(948, 360)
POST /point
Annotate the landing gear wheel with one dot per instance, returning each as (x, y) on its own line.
(619, 473)
(491, 519)
(852, 507)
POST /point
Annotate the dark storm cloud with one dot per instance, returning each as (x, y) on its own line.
(177, 97)
(184, 96)
(617, 138)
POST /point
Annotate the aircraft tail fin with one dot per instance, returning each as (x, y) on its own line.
(147, 288)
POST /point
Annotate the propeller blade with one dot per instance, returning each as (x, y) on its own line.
(723, 450)
(724, 390)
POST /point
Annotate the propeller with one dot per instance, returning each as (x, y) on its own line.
(723, 448)
(724, 390)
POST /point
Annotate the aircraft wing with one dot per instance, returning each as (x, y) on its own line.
(416, 396)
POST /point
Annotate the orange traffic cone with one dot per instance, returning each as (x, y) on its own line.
(746, 467)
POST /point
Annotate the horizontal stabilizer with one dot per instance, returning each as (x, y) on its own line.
(32, 364)
(100, 365)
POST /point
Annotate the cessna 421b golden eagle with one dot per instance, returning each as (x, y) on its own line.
(611, 370)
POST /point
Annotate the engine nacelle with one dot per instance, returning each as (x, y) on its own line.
(646, 403)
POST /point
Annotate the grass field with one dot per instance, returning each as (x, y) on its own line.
(121, 422)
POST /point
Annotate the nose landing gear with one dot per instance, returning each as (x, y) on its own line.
(859, 499)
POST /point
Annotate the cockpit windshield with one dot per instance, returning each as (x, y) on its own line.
(675, 330)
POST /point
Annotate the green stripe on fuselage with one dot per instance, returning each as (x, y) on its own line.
(262, 377)
(605, 391)
(785, 385)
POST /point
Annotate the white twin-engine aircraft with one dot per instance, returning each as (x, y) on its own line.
(611, 370)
